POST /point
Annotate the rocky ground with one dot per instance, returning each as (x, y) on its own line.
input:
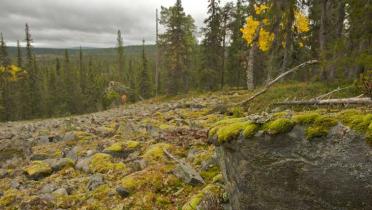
(149, 155)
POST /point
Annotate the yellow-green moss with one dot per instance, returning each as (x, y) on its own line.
(147, 180)
(218, 178)
(117, 147)
(102, 163)
(83, 136)
(101, 191)
(195, 200)
(132, 144)
(306, 118)
(356, 120)
(8, 198)
(38, 168)
(278, 126)
(210, 173)
(320, 127)
(231, 131)
(156, 152)
(216, 126)
(250, 130)
(280, 114)
(68, 201)
(237, 111)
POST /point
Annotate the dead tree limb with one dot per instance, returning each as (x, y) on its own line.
(341, 101)
(269, 84)
(330, 93)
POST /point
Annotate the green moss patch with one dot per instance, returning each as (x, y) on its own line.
(231, 131)
(318, 124)
(306, 118)
(278, 126)
(250, 130)
(156, 152)
(102, 163)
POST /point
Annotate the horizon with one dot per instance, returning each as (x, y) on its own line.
(62, 23)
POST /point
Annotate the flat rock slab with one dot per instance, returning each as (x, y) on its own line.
(289, 172)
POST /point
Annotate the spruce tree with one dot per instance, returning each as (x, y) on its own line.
(237, 48)
(144, 85)
(178, 43)
(212, 47)
(19, 54)
(120, 51)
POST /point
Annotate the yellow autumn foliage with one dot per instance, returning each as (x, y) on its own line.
(301, 22)
(260, 8)
(10, 73)
(265, 40)
(249, 30)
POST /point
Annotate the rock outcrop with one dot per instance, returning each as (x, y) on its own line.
(287, 170)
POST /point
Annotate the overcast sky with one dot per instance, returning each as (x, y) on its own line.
(89, 23)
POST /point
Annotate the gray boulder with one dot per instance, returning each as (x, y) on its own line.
(288, 171)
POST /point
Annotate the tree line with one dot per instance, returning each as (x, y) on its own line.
(244, 44)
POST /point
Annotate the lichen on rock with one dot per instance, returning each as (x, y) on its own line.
(38, 169)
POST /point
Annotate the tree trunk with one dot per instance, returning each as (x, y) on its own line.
(322, 38)
(250, 67)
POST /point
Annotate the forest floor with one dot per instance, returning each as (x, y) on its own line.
(117, 159)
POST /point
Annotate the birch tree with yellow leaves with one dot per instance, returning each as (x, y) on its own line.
(260, 35)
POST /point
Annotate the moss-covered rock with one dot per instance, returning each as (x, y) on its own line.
(306, 118)
(196, 199)
(150, 179)
(250, 130)
(355, 119)
(103, 163)
(228, 132)
(38, 169)
(278, 126)
(320, 127)
(156, 152)
(8, 198)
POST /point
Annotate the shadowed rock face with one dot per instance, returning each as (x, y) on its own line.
(289, 172)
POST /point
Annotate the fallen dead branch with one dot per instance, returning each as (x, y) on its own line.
(341, 101)
(330, 93)
(269, 84)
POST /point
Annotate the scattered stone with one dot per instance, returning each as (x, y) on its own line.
(185, 172)
(90, 153)
(59, 164)
(43, 139)
(60, 191)
(94, 181)
(48, 188)
(72, 154)
(83, 164)
(70, 136)
(122, 192)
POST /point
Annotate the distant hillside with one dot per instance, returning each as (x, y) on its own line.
(129, 51)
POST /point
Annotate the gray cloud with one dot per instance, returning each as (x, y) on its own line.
(93, 23)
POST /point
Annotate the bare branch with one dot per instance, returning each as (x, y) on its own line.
(341, 101)
(268, 85)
